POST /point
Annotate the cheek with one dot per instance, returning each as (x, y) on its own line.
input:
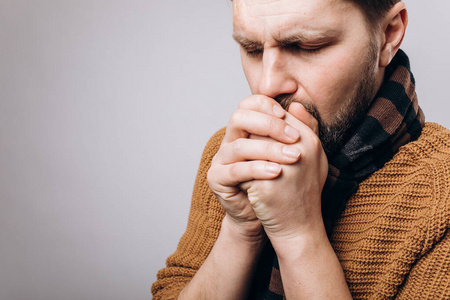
(328, 83)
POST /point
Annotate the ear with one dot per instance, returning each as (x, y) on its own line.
(394, 25)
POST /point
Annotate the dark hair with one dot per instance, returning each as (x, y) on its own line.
(374, 10)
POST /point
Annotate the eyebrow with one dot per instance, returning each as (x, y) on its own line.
(307, 37)
(246, 43)
(297, 38)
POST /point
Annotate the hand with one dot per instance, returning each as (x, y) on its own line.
(241, 159)
(290, 204)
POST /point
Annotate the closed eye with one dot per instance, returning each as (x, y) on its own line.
(253, 52)
(306, 49)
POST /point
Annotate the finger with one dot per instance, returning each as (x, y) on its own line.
(244, 186)
(309, 142)
(264, 105)
(258, 149)
(245, 122)
(260, 138)
(233, 174)
(299, 111)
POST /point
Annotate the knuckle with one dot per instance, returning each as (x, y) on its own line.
(235, 117)
(254, 101)
(210, 176)
(262, 187)
(237, 146)
(213, 161)
(244, 103)
(316, 144)
(259, 100)
(233, 170)
(263, 102)
(266, 185)
(217, 157)
(271, 123)
(269, 148)
(214, 175)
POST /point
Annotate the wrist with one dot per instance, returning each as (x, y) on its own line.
(307, 242)
(250, 234)
(310, 259)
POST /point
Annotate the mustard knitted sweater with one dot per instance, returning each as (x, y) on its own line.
(392, 239)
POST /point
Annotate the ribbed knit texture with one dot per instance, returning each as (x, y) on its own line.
(392, 239)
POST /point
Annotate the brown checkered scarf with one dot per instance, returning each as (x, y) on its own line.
(393, 119)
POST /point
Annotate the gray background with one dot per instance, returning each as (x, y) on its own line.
(105, 107)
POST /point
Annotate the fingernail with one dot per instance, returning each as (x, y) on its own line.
(291, 151)
(292, 132)
(278, 111)
(273, 168)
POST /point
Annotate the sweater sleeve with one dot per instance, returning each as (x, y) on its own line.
(205, 219)
(430, 277)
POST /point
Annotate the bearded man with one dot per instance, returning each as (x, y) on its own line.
(326, 182)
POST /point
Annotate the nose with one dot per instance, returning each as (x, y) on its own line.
(277, 78)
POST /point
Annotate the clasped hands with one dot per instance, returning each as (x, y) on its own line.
(269, 171)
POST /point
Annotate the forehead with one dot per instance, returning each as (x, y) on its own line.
(275, 18)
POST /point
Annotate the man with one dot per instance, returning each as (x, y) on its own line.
(327, 183)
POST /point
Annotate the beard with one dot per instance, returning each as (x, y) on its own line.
(334, 134)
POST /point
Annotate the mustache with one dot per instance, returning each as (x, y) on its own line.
(286, 101)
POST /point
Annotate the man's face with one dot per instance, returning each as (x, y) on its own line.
(316, 52)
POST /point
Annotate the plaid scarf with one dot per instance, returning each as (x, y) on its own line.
(393, 119)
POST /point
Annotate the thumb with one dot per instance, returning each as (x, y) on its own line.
(299, 111)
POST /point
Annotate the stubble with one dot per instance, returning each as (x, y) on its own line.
(334, 134)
